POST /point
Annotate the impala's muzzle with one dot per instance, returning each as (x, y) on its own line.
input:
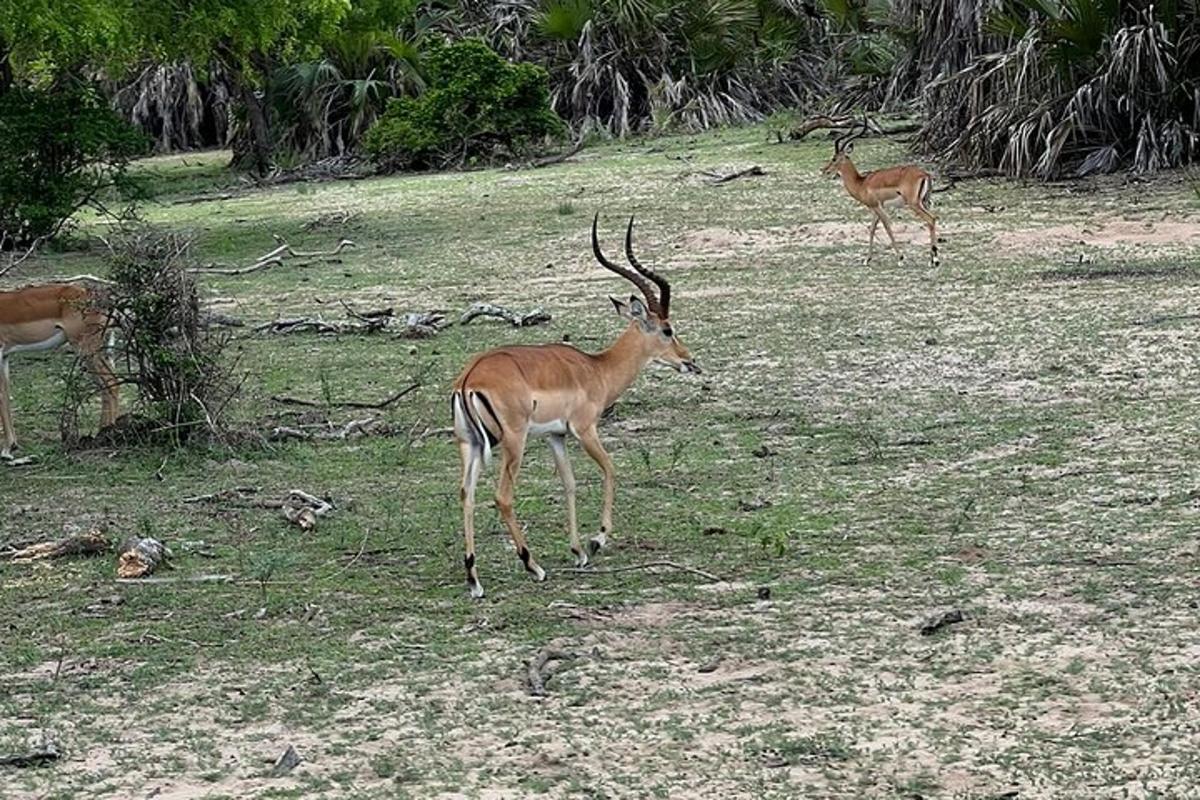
(689, 366)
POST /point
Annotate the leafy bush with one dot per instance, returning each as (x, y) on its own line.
(476, 106)
(60, 150)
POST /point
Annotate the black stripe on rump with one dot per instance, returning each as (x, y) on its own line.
(487, 406)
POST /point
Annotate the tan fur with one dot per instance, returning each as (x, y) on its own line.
(510, 393)
(907, 184)
(35, 314)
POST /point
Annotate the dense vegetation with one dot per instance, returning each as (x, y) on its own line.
(1038, 88)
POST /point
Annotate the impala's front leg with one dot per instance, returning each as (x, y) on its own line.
(591, 444)
(558, 446)
(513, 450)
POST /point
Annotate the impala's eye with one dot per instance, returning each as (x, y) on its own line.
(667, 332)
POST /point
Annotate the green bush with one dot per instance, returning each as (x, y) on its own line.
(60, 150)
(476, 106)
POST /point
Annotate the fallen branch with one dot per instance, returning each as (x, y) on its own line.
(559, 158)
(213, 319)
(535, 317)
(274, 258)
(814, 124)
(378, 406)
(86, 544)
(141, 556)
(47, 752)
(416, 325)
(649, 565)
(537, 679)
(718, 178)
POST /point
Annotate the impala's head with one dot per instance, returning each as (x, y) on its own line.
(843, 147)
(649, 317)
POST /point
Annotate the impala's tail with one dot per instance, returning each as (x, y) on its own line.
(465, 405)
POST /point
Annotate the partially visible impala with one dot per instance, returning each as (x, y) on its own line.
(508, 394)
(907, 185)
(45, 317)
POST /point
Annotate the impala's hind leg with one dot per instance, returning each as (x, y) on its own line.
(931, 223)
(472, 465)
(558, 446)
(512, 449)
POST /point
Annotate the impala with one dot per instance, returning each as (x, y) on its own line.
(44, 317)
(906, 185)
(508, 394)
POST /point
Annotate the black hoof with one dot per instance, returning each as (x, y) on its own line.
(593, 547)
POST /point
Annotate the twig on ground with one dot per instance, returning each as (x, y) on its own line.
(538, 674)
(718, 178)
(649, 565)
(377, 406)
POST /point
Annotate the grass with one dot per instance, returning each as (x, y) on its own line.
(1011, 434)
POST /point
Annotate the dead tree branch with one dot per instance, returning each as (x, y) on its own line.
(535, 317)
(85, 544)
(274, 258)
(718, 178)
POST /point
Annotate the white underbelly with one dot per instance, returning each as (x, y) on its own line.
(46, 344)
(554, 427)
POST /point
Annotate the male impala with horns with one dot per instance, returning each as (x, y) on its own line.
(506, 395)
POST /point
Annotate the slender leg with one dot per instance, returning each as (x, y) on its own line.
(105, 377)
(887, 226)
(592, 446)
(558, 446)
(472, 462)
(513, 449)
(871, 247)
(931, 223)
(10, 436)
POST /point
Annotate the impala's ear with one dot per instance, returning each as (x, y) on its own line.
(849, 148)
(634, 310)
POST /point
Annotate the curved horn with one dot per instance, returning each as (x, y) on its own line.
(849, 136)
(634, 278)
(664, 288)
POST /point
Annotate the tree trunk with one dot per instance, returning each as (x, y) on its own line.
(255, 149)
(258, 157)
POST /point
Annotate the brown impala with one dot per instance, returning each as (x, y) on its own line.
(44, 317)
(511, 393)
(905, 185)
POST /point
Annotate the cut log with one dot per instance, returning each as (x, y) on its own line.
(140, 557)
(302, 509)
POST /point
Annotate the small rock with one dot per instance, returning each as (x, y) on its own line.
(764, 593)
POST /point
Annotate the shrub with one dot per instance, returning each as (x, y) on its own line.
(477, 106)
(176, 363)
(60, 150)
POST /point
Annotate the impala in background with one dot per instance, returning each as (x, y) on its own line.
(47, 316)
(906, 185)
(508, 394)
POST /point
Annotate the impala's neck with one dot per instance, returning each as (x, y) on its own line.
(623, 361)
(851, 179)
